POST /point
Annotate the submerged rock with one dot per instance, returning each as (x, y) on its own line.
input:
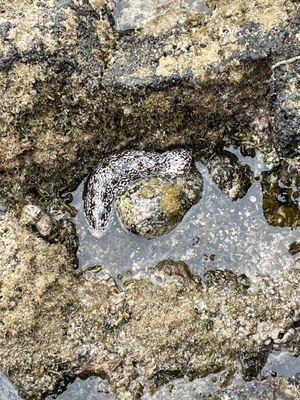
(206, 389)
(152, 207)
(174, 268)
(281, 196)
(230, 175)
(294, 248)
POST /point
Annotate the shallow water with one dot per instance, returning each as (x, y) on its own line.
(283, 364)
(133, 14)
(215, 234)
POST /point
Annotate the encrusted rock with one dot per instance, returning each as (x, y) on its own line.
(56, 324)
(281, 196)
(179, 269)
(72, 88)
(232, 177)
(154, 206)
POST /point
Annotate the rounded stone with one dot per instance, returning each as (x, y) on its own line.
(151, 207)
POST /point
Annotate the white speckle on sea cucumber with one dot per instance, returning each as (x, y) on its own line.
(116, 171)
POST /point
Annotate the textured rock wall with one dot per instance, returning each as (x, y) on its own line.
(73, 88)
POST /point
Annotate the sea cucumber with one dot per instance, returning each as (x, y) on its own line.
(115, 172)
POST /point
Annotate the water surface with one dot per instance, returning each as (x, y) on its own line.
(216, 233)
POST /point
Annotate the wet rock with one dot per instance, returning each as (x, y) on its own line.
(281, 196)
(294, 248)
(231, 176)
(152, 207)
(52, 56)
(71, 73)
(33, 216)
(174, 268)
(38, 296)
(57, 325)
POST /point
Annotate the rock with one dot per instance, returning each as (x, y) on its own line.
(195, 82)
(152, 207)
(178, 269)
(57, 324)
(294, 248)
(281, 196)
(231, 176)
(32, 215)
(52, 56)
(73, 89)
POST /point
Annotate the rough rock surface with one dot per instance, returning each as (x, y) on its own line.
(232, 177)
(73, 88)
(154, 206)
(281, 195)
(56, 324)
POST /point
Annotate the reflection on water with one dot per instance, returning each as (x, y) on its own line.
(215, 234)
(282, 364)
(7, 391)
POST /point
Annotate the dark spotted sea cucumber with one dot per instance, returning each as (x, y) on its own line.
(115, 172)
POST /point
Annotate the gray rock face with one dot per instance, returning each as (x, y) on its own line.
(153, 207)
